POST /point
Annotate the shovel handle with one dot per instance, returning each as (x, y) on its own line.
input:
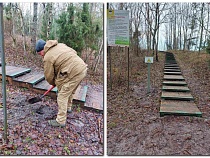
(47, 91)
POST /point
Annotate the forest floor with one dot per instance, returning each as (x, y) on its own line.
(29, 132)
(134, 125)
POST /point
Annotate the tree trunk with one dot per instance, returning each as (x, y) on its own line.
(98, 57)
(49, 22)
(34, 29)
(22, 30)
(148, 29)
(201, 35)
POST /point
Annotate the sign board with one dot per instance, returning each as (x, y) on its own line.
(148, 59)
(118, 27)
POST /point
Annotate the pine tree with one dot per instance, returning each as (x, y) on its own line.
(70, 30)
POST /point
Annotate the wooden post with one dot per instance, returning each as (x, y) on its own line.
(148, 83)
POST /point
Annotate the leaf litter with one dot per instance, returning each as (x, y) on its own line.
(134, 126)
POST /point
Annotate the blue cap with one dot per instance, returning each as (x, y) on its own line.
(40, 45)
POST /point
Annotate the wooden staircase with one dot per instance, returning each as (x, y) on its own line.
(35, 81)
(176, 98)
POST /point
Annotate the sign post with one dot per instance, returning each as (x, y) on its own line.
(118, 32)
(118, 27)
(3, 71)
(148, 60)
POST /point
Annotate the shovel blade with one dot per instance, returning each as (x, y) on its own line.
(34, 100)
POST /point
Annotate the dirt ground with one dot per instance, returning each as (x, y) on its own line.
(134, 124)
(30, 134)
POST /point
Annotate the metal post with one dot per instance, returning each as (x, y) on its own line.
(3, 70)
(148, 83)
(110, 61)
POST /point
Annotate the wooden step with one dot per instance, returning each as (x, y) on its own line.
(95, 101)
(173, 77)
(172, 73)
(176, 95)
(173, 64)
(28, 80)
(172, 70)
(37, 83)
(79, 96)
(170, 63)
(175, 83)
(44, 86)
(186, 108)
(12, 72)
(176, 88)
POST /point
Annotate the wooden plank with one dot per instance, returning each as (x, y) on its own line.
(173, 67)
(42, 85)
(176, 88)
(21, 72)
(185, 108)
(176, 95)
(35, 79)
(94, 105)
(12, 69)
(77, 92)
(171, 64)
(172, 73)
(8, 68)
(31, 79)
(95, 100)
(22, 78)
(173, 77)
(172, 70)
(80, 94)
(174, 83)
(84, 93)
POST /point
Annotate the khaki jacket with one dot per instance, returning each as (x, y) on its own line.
(61, 59)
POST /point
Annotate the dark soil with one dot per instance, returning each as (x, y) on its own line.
(30, 134)
(133, 121)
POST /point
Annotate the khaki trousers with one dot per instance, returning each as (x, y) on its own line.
(65, 96)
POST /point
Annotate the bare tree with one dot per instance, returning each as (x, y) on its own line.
(49, 22)
(202, 21)
(22, 27)
(34, 27)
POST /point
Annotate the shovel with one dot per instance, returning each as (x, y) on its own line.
(39, 98)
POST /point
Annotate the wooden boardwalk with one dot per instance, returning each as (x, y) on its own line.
(35, 81)
(176, 98)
